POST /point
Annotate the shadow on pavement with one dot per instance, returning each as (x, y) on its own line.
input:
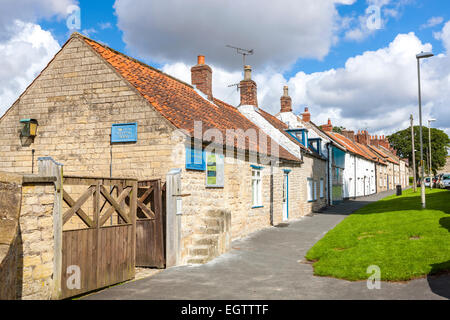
(440, 283)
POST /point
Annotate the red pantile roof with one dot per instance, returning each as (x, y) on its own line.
(385, 154)
(355, 147)
(181, 104)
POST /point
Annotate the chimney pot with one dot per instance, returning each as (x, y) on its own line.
(201, 60)
(247, 73)
(286, 91)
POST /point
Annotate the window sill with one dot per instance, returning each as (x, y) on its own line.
(256, 207)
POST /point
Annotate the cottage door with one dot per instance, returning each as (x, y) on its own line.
(285, 197)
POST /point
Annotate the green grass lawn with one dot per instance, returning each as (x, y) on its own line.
(395, 234)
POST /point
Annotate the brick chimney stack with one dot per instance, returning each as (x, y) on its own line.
(363, 137)
(384, 142)
(375, 141)
(201, 77)
(349, 134)
(327, 127)
(249, 92)
(306, 115)
(286, 101)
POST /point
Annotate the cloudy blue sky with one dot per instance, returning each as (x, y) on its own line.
(352, 61)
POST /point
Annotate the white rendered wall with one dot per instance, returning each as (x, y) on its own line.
(251, 113)
(364, 176)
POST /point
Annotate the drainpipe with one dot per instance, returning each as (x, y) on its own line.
(271, 193)
(356, 185)
(330, 174)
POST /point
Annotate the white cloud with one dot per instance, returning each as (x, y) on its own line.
(280, 32)
(375, 17)
(376, 90)
(30, 11)
(105, 25)
(432, 22)
(23, 56)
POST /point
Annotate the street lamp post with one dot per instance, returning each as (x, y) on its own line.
(430, 172)
(413, 154)
(419, 56)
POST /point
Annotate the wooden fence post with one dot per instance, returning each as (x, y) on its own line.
(173, 221)
(133, 217)
(49, 167)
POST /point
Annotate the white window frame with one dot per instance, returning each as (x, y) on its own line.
(315, 190)
(322, 189)
(256, 188)
(309, 189)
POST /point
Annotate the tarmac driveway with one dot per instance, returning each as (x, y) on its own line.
(269, 264)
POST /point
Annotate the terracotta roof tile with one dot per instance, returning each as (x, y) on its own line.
(181, 104)
(355, 147)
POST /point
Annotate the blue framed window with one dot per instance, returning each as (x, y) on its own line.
(301, 135)
(315, 144)
(195, 159)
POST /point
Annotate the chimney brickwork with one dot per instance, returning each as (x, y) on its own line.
(306, 115)
(349, 134)
(248, 88)
(286, 101)
(201, 77)
(363, 137)
(327, 127)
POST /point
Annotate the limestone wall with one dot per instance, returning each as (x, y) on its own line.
(26, 237)
(236, 197)
(36, 230)
(10, 202)
(76, 100)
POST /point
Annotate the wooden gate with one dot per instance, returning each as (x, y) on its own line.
(150, 239)
(101, 251)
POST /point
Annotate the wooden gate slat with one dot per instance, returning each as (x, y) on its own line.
(146, 194)
(76, 207)
(145, 210)
(112, 209)
(116, 206)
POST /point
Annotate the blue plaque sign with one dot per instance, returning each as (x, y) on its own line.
(124, 132)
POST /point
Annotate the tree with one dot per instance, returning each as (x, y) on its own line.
(401, 141)
(338, 129)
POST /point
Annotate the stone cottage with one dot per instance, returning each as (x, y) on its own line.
(317, 140)
(102, 113)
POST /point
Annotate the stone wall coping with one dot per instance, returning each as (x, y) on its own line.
(98, 178)
(30, 179)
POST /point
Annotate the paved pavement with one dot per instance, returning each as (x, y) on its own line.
(269, 265)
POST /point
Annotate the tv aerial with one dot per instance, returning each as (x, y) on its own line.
(244, 53)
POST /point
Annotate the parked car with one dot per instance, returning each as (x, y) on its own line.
(445, 181)
(427, 182)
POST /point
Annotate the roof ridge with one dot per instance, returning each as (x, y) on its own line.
(79, 35)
